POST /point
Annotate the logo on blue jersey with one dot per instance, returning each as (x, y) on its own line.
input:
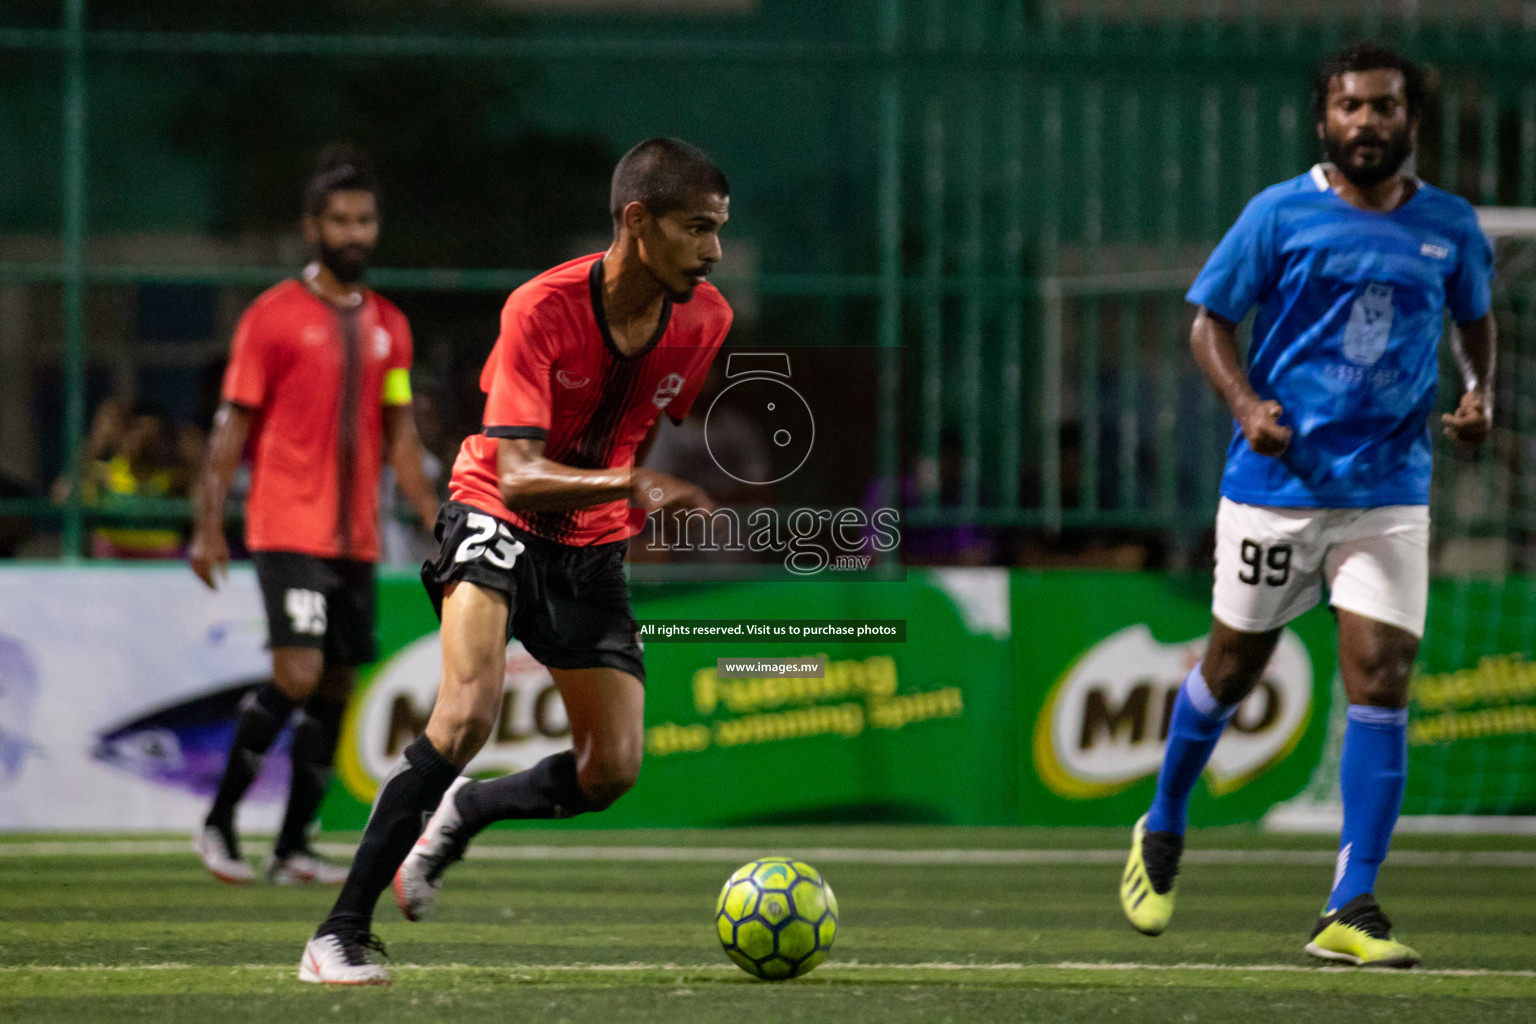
(1370, 324)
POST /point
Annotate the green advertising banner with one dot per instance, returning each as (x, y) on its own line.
(918, 729)
(977, 697)
(1098, 658)
(1472, 710)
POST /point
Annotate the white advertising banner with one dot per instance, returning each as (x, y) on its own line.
(117, 693)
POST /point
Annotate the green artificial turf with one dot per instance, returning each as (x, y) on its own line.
(134, 936)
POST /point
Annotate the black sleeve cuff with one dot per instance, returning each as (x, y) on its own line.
(531, 433)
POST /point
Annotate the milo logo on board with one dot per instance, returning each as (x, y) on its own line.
(1105, 723)
(530, 725)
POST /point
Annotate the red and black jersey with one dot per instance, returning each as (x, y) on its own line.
(313, 375)
(556, 375)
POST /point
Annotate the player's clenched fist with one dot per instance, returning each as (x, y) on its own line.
(653, 491)
(1471, 421)
(1261, 426)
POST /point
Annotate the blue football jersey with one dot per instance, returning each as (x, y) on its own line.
(1347, 335)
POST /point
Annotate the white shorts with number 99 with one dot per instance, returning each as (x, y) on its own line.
(1271, 564)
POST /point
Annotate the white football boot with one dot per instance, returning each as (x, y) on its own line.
(304, 867)
(343, 960)
(221, 856)
(421, 873)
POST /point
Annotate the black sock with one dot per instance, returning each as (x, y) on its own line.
(406, 800)
(314, 752)
(547, 790)
(263, 713)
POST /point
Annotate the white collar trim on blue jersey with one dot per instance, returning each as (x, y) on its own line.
(1319, 173)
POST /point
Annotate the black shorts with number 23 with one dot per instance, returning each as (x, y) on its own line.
(569, 606)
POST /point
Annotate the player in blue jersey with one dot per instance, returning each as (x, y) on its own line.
(1352, 267)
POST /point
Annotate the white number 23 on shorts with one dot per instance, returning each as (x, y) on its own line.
(489, 540)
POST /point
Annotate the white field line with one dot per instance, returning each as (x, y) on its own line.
(819, 855)
(852, 965)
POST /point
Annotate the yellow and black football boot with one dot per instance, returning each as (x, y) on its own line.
(1146, 888)
(1359, 933)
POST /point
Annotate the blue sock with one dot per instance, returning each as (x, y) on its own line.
(1372, 772)
(1198, 719)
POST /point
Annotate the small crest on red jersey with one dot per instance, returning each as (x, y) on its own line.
(380, 343)
(572, 380)
(670, 387)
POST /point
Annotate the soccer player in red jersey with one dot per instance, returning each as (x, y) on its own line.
(319, 383)
(533, 537)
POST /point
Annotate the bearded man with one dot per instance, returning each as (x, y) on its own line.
(1351, 266)
(319, 386)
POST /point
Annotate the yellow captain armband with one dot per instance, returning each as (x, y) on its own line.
(397, 386)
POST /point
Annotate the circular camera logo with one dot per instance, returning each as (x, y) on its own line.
(760, 394)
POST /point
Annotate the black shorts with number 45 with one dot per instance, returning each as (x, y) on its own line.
(322, 603)
(569, 606)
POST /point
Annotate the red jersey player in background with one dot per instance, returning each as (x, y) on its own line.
(533, 538)
(319, 383)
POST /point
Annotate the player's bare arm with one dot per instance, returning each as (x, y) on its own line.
(403, 444)
(654, 491)
(1475, 346)
(209, 552)
(1213, 340)
(530, 481)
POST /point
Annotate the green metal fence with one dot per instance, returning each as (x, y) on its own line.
(1032, 186)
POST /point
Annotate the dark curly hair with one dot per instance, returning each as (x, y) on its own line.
(1367, 56)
